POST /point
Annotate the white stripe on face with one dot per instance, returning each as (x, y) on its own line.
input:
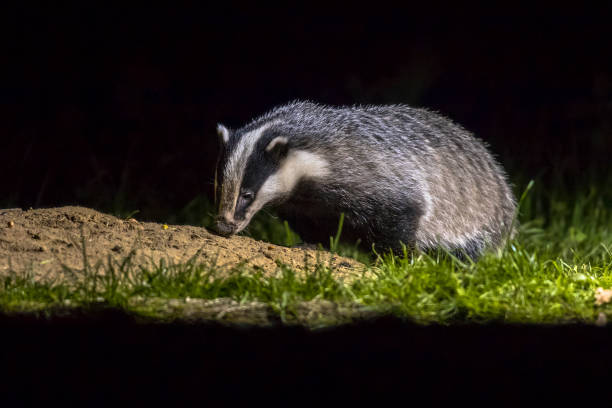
(234, 169)
(298, 165)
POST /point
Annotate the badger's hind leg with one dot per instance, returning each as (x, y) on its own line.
(472, 249)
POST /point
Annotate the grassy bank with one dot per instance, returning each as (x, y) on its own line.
(553, 272)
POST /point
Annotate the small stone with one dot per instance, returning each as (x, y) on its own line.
(11, 224)
(602, 296)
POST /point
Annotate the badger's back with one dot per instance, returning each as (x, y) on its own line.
(399, 174)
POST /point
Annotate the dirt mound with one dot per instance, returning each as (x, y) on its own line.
(43, 239)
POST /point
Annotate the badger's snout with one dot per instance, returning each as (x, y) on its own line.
(225, 227)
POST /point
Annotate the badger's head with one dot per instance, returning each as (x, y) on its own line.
(258, 167)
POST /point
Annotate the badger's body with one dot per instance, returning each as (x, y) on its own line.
(399, 174)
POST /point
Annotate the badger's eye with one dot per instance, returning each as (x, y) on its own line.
(247, 195)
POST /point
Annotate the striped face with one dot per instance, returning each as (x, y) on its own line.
(257, 168)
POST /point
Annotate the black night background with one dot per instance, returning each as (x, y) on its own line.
(115, 108)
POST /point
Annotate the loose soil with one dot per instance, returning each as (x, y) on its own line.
(43, 239)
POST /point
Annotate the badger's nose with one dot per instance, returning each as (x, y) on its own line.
(225, 227)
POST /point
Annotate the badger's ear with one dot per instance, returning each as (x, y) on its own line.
(223, 133)
(278, 147)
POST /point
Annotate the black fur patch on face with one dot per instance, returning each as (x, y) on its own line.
(259, 167)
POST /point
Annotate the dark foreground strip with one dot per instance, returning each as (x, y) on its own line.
(99, 358)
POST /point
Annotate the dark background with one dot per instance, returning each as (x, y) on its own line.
(115, 107)
(97, 361)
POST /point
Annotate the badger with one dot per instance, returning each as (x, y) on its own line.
(403, 177)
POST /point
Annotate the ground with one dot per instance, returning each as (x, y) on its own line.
(44, 239)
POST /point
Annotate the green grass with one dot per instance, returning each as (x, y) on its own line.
(548, 274)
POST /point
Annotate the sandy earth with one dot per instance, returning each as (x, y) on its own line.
(43, 239)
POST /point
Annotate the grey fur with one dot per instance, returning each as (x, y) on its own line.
(400, 174)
